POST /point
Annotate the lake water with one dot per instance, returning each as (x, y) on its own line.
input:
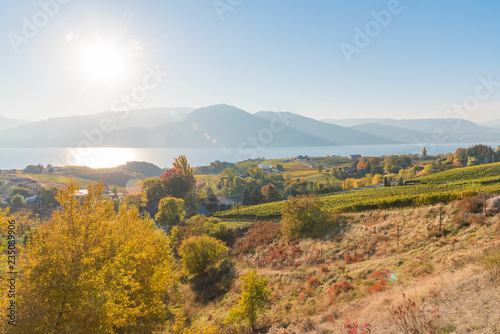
(19, 158)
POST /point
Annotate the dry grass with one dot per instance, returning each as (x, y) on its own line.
(426, 261)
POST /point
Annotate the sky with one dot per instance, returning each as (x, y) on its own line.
(321, 59)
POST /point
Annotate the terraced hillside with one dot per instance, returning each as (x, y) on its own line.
(440, 187)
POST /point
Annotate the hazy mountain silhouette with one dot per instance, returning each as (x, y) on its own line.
(391, 132)
(8, 123)
(440, 130)
(223, 126)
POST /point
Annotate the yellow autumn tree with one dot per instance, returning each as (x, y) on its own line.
(91, 270)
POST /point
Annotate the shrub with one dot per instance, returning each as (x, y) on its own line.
(338, 288)
(259, 233)
(25, 192)
(470, 205)
(492, 265)
(304, 216)
(17, 201)
(413, 318)
(199, 253)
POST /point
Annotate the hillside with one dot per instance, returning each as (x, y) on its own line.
(440, 187)
(8, 123)
(400, 135)
(358, 274)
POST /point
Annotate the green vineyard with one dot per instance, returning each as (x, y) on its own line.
(440, 187)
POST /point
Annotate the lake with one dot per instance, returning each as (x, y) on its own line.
(19, 158)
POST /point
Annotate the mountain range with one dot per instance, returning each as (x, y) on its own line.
(224, 126)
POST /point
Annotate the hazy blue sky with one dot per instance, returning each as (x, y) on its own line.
(254, 54)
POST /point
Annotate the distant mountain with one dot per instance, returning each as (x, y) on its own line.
(70, 131)
(493, 124)
(337, 135)
(222, 126)
(447, 130)
(348, 122)
(147, 118)
(8, 123)
(391, 132)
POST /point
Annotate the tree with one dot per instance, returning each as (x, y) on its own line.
(170, 211)
(363, 164)
(270, 193)
(320, 168)
(90, 270)
(199, 253)
(246, 198)
(154, 189)
(17, 201)
(377, 179)
(135, 200)
(177, 184)
(424, 152)
(255, 296)
(32, 169)
(48, 195)
(24, 192)
(303, 216)
(181, 163)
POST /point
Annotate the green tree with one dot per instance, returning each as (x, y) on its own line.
(32, 169)
(48, 195)
(25, 192)
(424, 152)
(17, 201)
(255, 296)
(199, 253)
(304, 216)
(170, 211)
(91, 270)
(320, 168)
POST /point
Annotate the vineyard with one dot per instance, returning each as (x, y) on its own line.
(440, 187)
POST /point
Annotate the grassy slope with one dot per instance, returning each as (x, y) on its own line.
(426, 262)
(444, 186)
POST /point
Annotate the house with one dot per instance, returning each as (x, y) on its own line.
(266, 168)
(355, 157)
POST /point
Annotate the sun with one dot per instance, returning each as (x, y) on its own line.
(103, 62)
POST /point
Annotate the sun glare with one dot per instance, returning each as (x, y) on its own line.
(103, 62)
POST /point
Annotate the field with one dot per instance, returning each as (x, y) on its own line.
(440, 187)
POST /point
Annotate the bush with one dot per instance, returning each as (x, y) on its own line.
(199, 253)
(17, 201)
(259, 233)
(304, 216)
(413, 318)
(492, 266)
(25, 192)
(470, 205)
